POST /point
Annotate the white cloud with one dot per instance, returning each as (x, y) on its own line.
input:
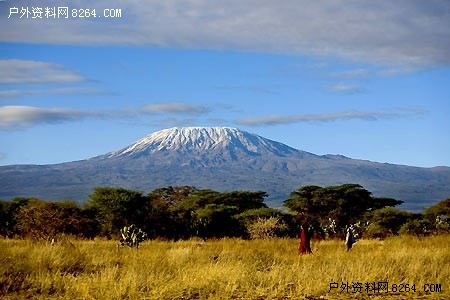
(254, 89)
(173, 108)
(24, 116)
(176, 122)
(15, 71)
(355, 73)
(402, 34)
(327, 117)
(59, 91)
(17, 117)
(345, 88)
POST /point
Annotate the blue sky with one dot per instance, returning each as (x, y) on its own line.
(365, 79)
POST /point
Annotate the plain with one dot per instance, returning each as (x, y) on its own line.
(226, 269)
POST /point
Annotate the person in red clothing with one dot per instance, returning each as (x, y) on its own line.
(305, 240)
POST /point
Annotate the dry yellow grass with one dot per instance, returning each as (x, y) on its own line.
(222, 269)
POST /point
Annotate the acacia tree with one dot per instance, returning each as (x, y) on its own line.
(164, 219)
(116, 208)
(208, 213)
(344, 204)
(222, 210)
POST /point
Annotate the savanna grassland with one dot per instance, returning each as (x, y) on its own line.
(223, 269)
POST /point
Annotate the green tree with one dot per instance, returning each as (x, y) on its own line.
(8, 215)
(251, 215)
(170, 196)
(215, 220)
(439, 209)
(165, 218)
(209, 213)
(242, 200)
(387, 221)
(117, 207)
(4, 218)
(343, 204)
(438, 216)
(89, 224)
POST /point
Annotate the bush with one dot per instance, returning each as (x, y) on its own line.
(386, 222)
(266, 228)
(442, 224)
(377, 231)
(418, 228)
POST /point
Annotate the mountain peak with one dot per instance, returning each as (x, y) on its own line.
(201, 140)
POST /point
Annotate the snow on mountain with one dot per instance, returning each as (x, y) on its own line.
(203, 140)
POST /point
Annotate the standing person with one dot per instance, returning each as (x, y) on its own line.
(349, 238)
(305, 240)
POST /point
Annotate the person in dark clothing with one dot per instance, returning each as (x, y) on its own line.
(349, 239)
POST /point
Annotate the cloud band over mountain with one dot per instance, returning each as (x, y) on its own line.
(16, 117)
(327, 117)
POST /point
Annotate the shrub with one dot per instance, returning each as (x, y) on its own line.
(416, 227)
(266, 228)
(132, 236)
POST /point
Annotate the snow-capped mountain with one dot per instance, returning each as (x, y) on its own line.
(202, 140)
(208, 147)
(221, 158)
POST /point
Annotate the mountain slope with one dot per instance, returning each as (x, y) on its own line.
(222, 159)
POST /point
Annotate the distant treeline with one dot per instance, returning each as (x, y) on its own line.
(185, 212)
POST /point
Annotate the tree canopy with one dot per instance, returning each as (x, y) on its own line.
(116, 208)
(343, 204)
(439, 209)
(181, 212)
